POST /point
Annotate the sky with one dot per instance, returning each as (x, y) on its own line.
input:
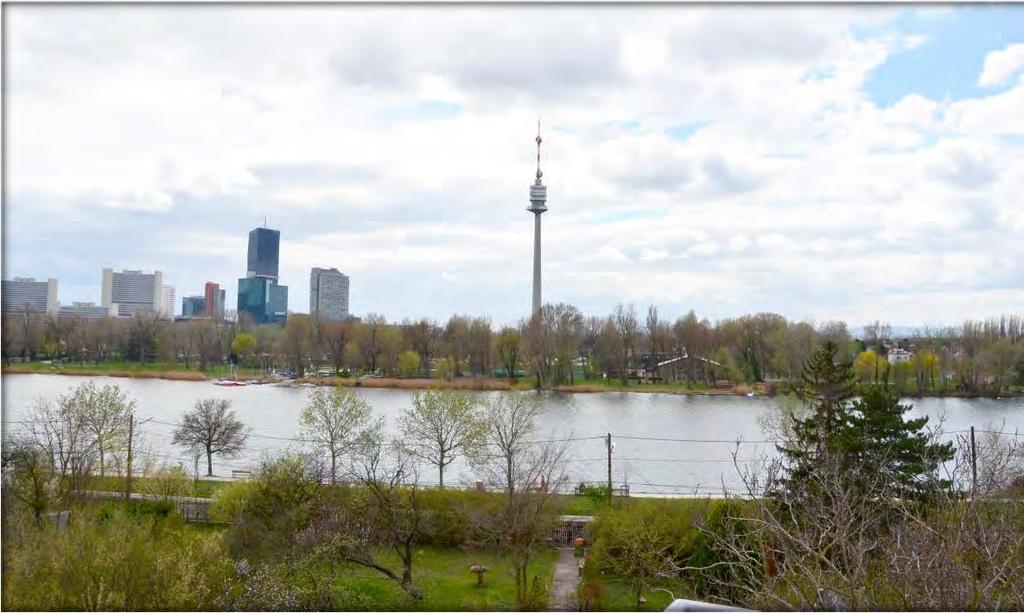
(821, 162)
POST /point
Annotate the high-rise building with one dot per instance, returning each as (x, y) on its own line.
(27, 294)
(168, 301)
(263, 300)
(328, 294)
(132, 291)
(213, 301)
(193, 306)
(259, 295)
(263, 253)
(87, 310)
(538, 205)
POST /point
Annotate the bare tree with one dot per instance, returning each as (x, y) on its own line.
(508, 349)
(368, 338)
(424, 337)
(335, 420)
(144, 331)
(208, 343)
(213, 427)
(528, 472)
(62, 431)
(481, 346)
(440, 425)
(335, 335)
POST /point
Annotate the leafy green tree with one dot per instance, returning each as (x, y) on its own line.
(409, 363)
(440, 425)
(283, 496)
(869, 365)
(29, 476)
(244, 346)
(508, 349)
(334, 419)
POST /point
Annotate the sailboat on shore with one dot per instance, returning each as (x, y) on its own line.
(231, 380)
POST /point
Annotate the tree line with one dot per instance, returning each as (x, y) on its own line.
(557, 346)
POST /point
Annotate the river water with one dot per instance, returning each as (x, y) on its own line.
(704, 429)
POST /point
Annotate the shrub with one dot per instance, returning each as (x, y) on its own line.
(281, 499)
(447, 519)
(168, 482)
(111, 559)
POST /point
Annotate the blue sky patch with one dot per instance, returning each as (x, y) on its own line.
(948, 64)
(684, 131)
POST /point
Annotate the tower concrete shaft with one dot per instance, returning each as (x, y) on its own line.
(536, 263)
(538, 204)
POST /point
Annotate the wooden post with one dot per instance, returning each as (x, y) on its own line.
(128, 475)
(974, 462)
(609, 445)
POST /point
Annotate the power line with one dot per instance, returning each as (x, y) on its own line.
(692, 440)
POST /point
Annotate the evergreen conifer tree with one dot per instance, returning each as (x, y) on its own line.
(862, 441)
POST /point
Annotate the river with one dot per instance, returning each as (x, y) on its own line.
(679, 466)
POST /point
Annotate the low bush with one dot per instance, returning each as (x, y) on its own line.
(110, 558)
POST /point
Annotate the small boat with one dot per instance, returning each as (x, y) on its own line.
(751, 394)
(229, 383)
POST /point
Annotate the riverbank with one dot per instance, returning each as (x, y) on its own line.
(468, 384)
(176, 372)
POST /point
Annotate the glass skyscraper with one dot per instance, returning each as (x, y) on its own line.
(192, 306)
(259, 295)
(263, 299)
(263, 252)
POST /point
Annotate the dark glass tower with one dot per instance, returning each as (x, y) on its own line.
(259, 295)
(263, 252)
(263, 299)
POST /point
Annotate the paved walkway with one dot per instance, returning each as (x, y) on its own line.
(563, 585)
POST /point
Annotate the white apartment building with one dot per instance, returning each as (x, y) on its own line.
(27, 294)
(132, 291)
(168, 304)
(87, 310)
(328, 294)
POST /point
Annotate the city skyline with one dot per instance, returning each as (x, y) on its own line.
(816, 172)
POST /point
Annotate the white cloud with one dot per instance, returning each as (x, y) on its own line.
(1001, 65)
(396, 144)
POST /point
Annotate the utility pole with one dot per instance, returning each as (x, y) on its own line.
(974, 462)
(608, 443)
(128, 476)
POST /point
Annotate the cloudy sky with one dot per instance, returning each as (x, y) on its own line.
(818, 162)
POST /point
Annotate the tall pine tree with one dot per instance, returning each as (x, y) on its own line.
(862, 441)
(826, 388)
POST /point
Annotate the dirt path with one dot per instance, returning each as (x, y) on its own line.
(563, 585)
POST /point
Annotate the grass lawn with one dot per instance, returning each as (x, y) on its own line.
(143, 485)
(447, 584)
(171, 370)
(617, 595)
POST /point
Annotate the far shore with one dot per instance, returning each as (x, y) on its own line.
(472, 384)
